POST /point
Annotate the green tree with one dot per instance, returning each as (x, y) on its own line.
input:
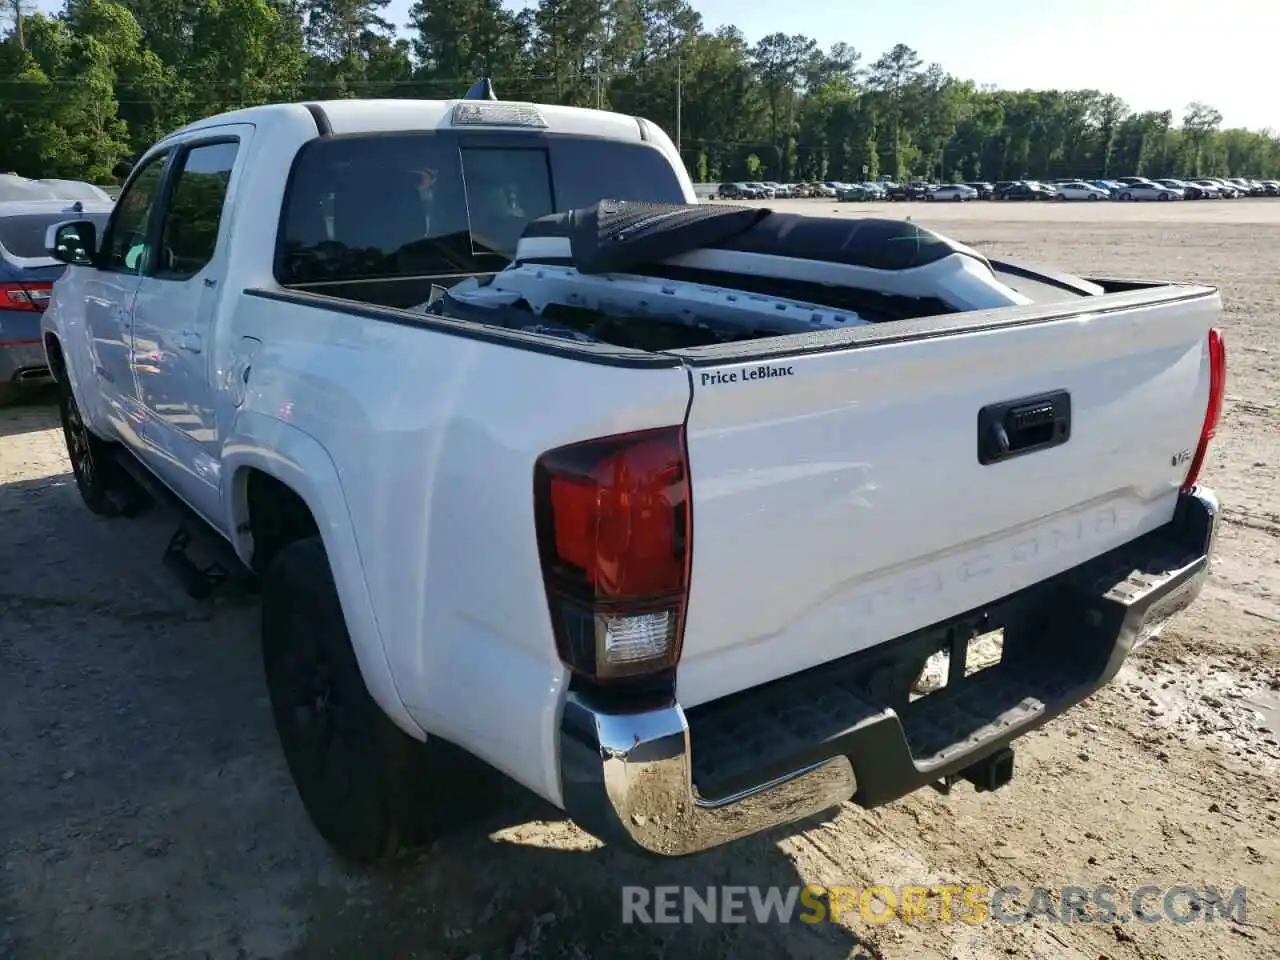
(106, 78)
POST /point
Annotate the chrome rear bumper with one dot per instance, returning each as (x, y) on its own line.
(627, 779)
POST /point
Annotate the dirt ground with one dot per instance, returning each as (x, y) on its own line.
(145, 810)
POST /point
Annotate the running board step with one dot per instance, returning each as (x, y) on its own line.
(130, 500)
(220, 565)
(199, 581)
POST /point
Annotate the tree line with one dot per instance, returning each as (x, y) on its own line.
(103, 79)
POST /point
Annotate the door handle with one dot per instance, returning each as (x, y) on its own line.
(190, 341)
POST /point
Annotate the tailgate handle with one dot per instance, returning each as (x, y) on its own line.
(1016, 427)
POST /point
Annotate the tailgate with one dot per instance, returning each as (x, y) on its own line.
(839, 498)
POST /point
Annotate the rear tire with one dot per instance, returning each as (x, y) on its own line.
(9, 393)
(372, 791)
(1164, 196)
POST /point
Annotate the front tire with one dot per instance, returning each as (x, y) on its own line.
(1126, 195)
(92, 465)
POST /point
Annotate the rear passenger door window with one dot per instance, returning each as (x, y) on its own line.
(193, 214)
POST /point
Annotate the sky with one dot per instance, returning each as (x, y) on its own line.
(1154, 54)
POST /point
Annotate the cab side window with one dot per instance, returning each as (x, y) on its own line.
(124, 248)
(189, 234)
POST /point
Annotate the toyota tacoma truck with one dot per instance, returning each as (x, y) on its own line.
(659, 509)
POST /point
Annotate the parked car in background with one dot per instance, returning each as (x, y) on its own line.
(958, 192)
(1150, 191)
(1079, 190)
(761, 191)
(1024, 190)
(861, 192)
(27, 273)
(985, 190)
(1247, 187)
(1112, 187)
(912, 190)
(1190, 191)
(1272, 187)
(1226, 189)
(735, 191)
(15, 187)
(1208, 190)
(77, 190)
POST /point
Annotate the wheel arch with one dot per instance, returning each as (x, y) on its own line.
(54, 357)
(271, 466)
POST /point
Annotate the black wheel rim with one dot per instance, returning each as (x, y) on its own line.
(319, 727)
(79, 449)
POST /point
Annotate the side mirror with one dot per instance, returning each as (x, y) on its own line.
(72, 241)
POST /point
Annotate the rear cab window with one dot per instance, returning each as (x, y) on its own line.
(443, 206)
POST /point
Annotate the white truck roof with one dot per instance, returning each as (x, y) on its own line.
(388, 116)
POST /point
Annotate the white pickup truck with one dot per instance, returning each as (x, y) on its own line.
(660, 509)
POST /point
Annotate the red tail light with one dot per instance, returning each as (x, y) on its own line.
(25, 296)
(615, 540)
(1213, 410)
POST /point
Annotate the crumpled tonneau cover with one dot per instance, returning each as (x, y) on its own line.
(621, 237)
(615, 236)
